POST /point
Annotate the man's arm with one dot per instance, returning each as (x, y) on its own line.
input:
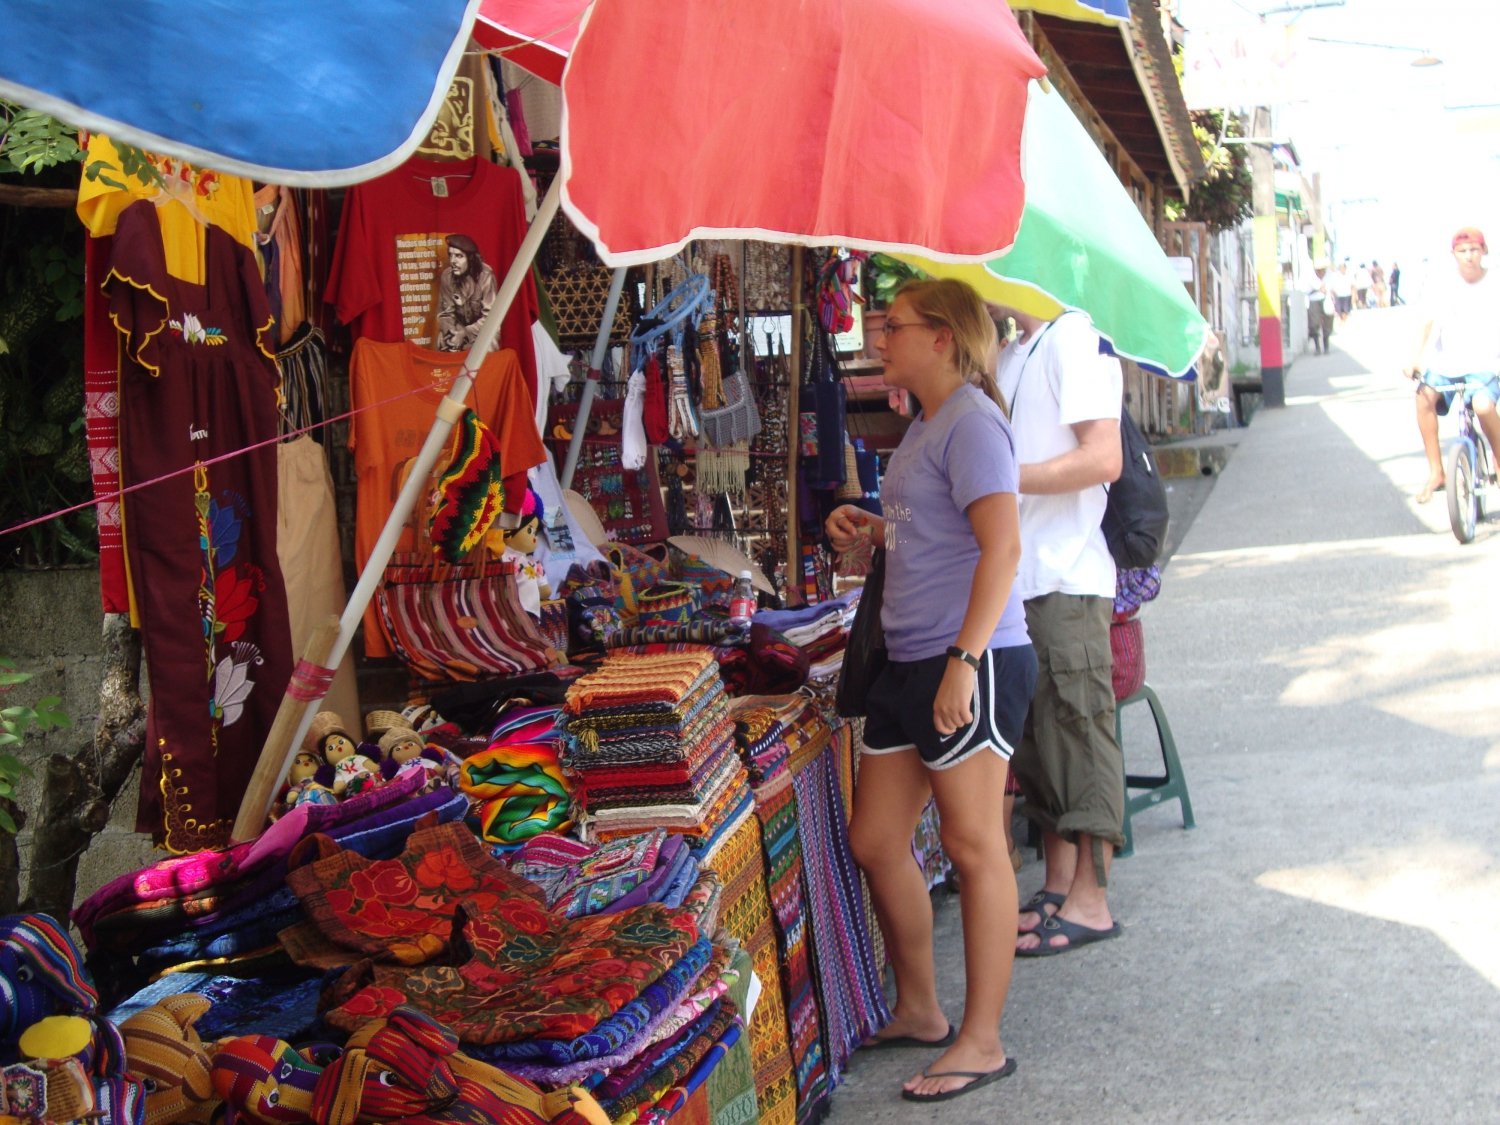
(1097, 460)
(1414, 368)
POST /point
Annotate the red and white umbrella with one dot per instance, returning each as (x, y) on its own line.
(876, 124)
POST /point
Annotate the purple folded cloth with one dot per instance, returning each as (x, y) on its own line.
(673, 854)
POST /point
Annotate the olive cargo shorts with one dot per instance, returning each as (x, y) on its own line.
(1069, 765)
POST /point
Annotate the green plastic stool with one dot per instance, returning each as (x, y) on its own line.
(1171, 785)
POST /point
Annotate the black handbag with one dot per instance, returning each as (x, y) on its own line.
(864, 655)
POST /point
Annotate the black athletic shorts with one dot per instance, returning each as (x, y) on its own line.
(900, 704)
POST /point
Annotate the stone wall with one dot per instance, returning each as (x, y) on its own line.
(51, 626)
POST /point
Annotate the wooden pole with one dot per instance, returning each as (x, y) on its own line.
(794, 438)
(279, 750)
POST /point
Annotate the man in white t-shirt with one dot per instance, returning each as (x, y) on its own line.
(1065, 401)
(1459, 351)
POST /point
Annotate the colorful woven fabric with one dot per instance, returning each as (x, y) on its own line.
(849, 977)
(530, 974)
(461, 628)
(469, 491)
(579, 878)
(631, 1019)
(43, 971)
(731, 1083)
(518, 789)
(718, 977)
(181, 876)
(402, 910)
(667, 603)
(775, 805)
(677, 1068)
(628, 678)
(745, 914)
(927, 847)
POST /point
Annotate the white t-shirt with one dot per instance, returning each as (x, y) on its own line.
(1065, 381)
(1465, 338)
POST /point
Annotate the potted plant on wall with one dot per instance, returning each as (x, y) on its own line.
(883, 276)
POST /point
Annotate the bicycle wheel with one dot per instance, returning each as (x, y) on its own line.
(1463, 497)
(1483, 497)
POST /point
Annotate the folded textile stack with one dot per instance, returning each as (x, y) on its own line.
(578, 878)
(224, 908)
(819, 630)
(450, 931)
(760, 738)
(651, 745)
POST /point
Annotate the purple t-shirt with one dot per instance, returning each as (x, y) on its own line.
(943, 465)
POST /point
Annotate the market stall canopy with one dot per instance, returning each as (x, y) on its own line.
(1084, 245)
(306, 94)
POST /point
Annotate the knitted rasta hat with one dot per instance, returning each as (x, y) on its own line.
(469, 494)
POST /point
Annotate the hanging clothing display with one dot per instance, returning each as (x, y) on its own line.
(465, 124)
(307, 545)
(199, 380)
(386, 434)
(222, 200)
(279, 236)
(421, 252)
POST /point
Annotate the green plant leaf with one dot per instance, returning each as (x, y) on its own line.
(50, 715)
(6, 823)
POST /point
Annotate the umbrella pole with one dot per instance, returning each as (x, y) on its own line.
(258, 798)
(793, 440)
(591, 384)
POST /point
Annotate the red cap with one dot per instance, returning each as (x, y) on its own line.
(1470, 234)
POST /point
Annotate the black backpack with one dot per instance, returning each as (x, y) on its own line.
(1135, 515)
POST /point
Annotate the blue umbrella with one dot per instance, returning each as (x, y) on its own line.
(299, 92)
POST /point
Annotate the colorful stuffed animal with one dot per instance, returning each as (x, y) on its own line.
(263, 1079)
(164, 1050)
(41, 974)
(408, 1068)
(73, 1072)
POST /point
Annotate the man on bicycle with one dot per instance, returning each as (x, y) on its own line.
(1459, 351)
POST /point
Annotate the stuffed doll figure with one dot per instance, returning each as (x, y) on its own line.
(518, 546)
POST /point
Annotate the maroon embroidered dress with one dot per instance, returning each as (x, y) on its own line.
(199, 380)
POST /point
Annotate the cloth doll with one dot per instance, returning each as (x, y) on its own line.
(400, 748)
(519, 547)
(345, 771)
(302, 786)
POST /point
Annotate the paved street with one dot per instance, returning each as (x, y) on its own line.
(1325, 945)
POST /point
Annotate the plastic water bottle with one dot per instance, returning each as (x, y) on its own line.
(742, 600)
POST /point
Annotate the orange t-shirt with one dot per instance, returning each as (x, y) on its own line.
(385, 438)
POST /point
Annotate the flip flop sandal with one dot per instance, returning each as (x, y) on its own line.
(1077, 936)
(979, 1078)
(878, 1044)
(1037, 904)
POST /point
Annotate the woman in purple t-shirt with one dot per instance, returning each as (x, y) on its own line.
(950, 705)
